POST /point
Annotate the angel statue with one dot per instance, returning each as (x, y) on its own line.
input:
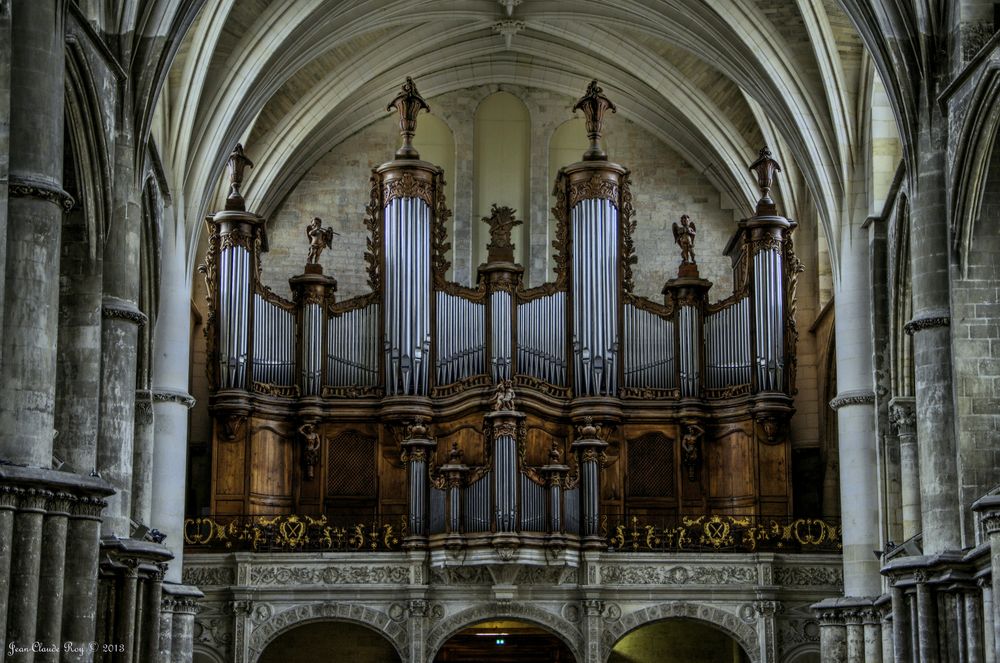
(684, 233)
(503, 396)
(319, 238)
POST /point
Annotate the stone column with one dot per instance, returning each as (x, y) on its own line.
(35, 208)
(166, 629)
(241, 609)
(855, 635)
(416, 627)
(941, 514)
(593, 610)
(901, 626)
(152, 619)
(927, 620)
(142, 458)
(989, 624)
(80, 583)
(855, 407)
(22, 602)
(871, 624)
(988, 509)
(52, 575)
(970, 603)
(8, 504)
(832, 636)
(127, 598)
(171, 363)
(766, 631)
(905, 422)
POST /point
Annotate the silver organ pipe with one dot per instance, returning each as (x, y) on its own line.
(407, 291)
(571, 510)
(352, 347)
(689, 323)
(461, 348)
(727, 345)
(234, 305)
(476, 504)
(649, 349)
(435, 524)
(273, 342)
(594, 224)
(505, 485)
(532, 506)
(500, 339)
(313, 317)
(541, 338)
(769, 319)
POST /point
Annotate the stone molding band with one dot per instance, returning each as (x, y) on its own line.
(856, 397)
(113, 308)
(929, 321)
(18, 187)
(168, 396)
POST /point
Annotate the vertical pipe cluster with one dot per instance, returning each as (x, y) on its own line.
(505, 483)
(769, 322)
(541, 338)
(273, 343)
(460, 347)
(352, 347)
(501, 354)
(649, 350)
(435, 519)
(727, 345)
(407, 230)
(476, 505)
(234, 306)
(313, 317)
(594, 224)
(532, 505)
(689, 328)
(571, 509)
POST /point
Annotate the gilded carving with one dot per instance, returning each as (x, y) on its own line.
(373, 223)
(439, 238)
(598, 186)
(408, 186)
(628, 221)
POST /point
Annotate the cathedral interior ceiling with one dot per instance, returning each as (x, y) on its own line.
(712, 80)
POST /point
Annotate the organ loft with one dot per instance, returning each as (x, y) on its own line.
(503, 419)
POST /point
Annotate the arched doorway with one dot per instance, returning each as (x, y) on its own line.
(328, 641)
(677, 641)
(504, 641)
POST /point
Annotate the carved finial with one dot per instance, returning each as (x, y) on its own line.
(501, 221)
(765, 167)
(455, 455)
(684, 233)
(417, 429)
(509, 5)
(507, 29)
(408, 103)
(589, 430)
(319, 238)
(594, 104)
(237, 165)
(555, 455)
(503, 396)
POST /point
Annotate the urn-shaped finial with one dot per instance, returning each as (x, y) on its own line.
(765, 167)
(237, 165)
(408, 103)
(594, 105)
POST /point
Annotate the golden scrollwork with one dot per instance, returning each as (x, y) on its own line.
(280, 390)
(722, 532)
(439, 237)
(291, 533)
(628, 224)
(408, 186)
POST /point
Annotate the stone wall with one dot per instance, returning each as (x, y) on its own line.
(664, 187)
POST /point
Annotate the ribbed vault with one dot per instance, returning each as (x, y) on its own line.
(711, 79)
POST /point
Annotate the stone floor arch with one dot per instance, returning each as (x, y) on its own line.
(727, 622)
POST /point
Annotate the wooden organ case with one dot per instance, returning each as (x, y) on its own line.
(500, 415)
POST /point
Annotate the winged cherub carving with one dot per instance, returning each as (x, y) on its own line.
(319, 238)
(684, 233)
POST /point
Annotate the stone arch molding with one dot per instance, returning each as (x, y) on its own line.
(559, 627)
(278, 624)
(725, 621)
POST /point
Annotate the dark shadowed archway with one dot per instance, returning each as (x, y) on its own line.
(677, 641)
(504, 641)
(330, 641)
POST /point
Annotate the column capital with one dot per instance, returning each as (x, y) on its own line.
(172, 396)
(928, 320)
(116, 308)
(988, 508)
(903, 416)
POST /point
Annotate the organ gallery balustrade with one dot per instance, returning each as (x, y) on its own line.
(403, 399)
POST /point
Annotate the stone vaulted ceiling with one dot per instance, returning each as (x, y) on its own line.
(714, 79)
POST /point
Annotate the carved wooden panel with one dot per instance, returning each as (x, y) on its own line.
(351, 466)
(732, 471)
(271, 458)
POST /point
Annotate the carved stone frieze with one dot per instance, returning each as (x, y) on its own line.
(805, 576)
(284, 620)
(928, 322)
(204, 576)
(330, 575)
(678, 575)
(113, 308)
(858, 397)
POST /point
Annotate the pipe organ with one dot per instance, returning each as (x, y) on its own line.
(499, 414)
